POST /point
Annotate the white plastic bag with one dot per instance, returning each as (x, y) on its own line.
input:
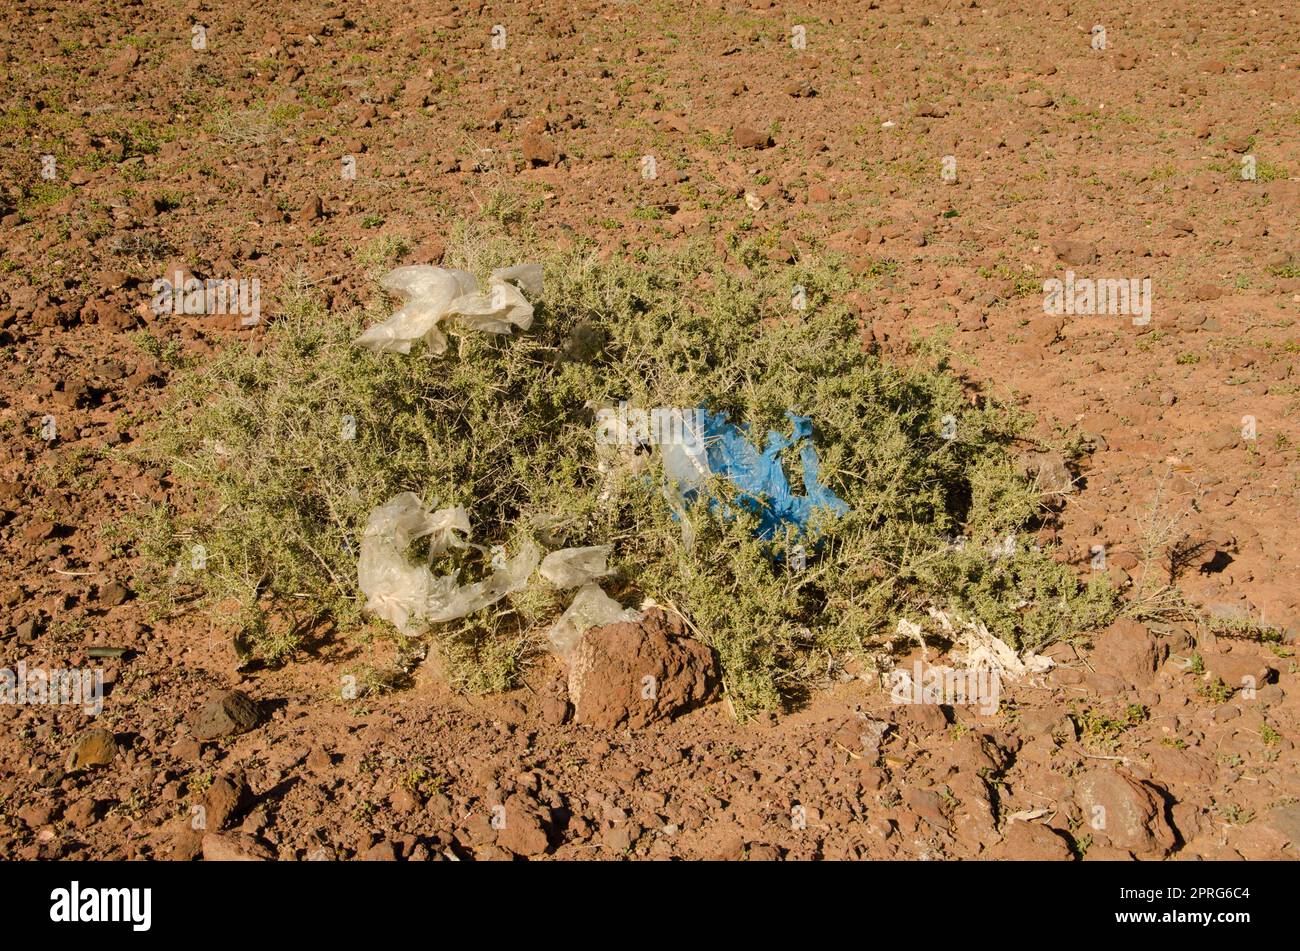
(591, 607)
(527, 276)
(429, 293)
(433, 295)
(498, 310)
(405, 593)
(571, 567)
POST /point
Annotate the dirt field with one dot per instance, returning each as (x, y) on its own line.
(955, 156)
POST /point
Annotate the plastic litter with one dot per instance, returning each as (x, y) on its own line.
(726, 450)
(591, 607)
(433, 295)
(571, 567)
(527, 276)
(980, 649)
(405, 593)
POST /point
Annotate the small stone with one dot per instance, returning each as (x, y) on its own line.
(93, 748)
(1129, 651)
(383, 851)
(231, 713)
(311, 210)
(539, 150)
(82, 813)
(218, 847)
(749, 138)
(1075, 252)
(523, 831)
(1032, 841)
(403, 801)
(227, 798)
(113, 594)
(1285, 820)
(1048, 470)
(1124, 812)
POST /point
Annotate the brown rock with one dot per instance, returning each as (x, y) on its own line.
(227, 798)
(1129, 651)
(1048, 472)
(37, 815)
(113, 594)
(186, 843)
(1182, 768)
(311, 210)
(973, 820)
(231, 713)
(82, 813)
(93, 748)
(927, 804)
(749, 138)
(554, 710)
(1030, 841)
(926, 717)
(233, 848)
(382, 851)
(539, 150)
(1238, 670)
(635, 673)
(523, 830)
(1075, 252)
(403, 801)
(1124, 812)
(1285, 821)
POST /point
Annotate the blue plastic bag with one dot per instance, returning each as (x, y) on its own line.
(725, 449)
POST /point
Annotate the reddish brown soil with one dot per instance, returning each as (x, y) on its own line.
(1122, 162)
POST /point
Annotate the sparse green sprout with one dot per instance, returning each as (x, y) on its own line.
(1215, 691)
(1105, 732)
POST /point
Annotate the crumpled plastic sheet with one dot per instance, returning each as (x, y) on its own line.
(410, 596)
(591, 607)
(571, 567)
(725, 450)
(406, 593)
(434, 295)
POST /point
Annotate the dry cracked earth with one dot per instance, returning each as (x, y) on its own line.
(956, 154)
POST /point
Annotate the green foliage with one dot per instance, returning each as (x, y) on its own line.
(504, 426)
